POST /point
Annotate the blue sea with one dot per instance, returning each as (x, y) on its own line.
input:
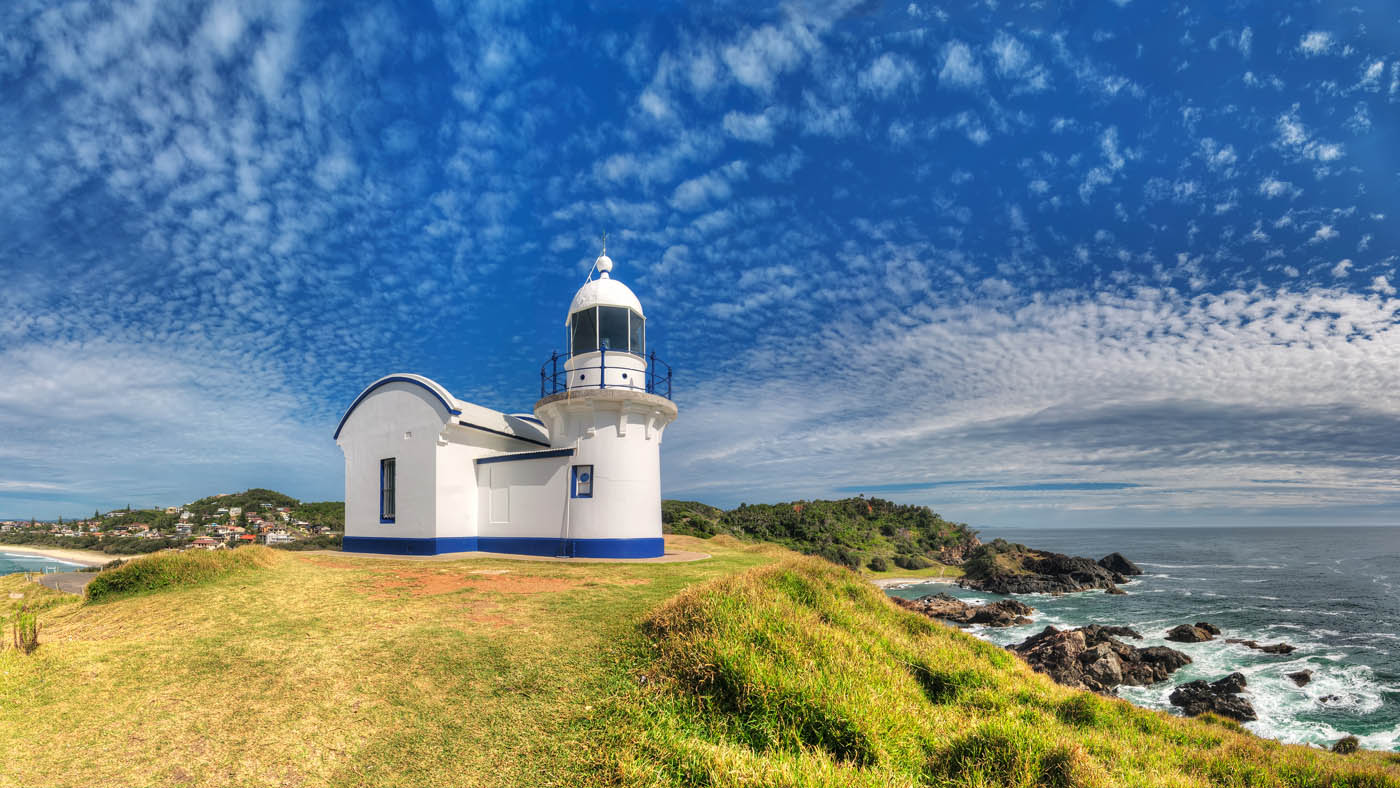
(1330, 591)
(24, 562)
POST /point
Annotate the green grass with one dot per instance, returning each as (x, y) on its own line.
(176, 569)
(752, 668)
(802, 674)
(937, 570)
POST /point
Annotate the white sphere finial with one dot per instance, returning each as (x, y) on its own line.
(604, 263)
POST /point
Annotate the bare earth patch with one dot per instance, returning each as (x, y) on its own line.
(430, 583)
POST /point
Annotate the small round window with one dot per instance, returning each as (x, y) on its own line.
(584, 477)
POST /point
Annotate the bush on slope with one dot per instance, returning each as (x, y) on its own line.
(174, 570)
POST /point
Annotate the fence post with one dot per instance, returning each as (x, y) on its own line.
(603, 367)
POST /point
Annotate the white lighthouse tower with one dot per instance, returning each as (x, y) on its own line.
(609, 402)
(427, 473)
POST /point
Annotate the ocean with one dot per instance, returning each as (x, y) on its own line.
(23, 562)
(1330, 591)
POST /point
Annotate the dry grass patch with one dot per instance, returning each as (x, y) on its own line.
(294, 675)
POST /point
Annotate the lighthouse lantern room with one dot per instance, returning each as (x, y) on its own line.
(426, 473)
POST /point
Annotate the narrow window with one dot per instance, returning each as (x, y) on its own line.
(583, 481)
(386, 490)
(612, 327)
(585, 325)
(639, 333)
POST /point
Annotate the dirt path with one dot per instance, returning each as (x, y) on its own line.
(68, 582)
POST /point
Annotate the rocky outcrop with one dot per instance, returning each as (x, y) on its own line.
(1045, 573)
(1221, 697)
(956, 555)
(1092, 658)
(1301, 678)
(1276, 648)
(1006, 613)
(1187, 633)
(1118, 564)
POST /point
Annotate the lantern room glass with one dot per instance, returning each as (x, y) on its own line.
(613, 327)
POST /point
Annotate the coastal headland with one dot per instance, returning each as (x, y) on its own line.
(490, 672)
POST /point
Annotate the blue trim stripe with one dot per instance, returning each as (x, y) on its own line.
(385, 382)
(514, 545)
(525, 455)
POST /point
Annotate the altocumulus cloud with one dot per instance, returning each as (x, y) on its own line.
(987, 260)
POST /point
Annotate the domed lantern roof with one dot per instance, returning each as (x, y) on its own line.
(606, 315)
(604, 291)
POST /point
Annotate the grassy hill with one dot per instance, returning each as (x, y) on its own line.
(757, 667)
(869, 533)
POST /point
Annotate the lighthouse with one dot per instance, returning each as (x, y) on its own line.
(610, 404)
(580, 477)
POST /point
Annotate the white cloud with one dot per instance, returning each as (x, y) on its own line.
(753, 128)
(762, 56)
(960, 67)
(1324, 233)
(825, 120)
(1012, 57)
(1381, 285)
(887, 74)
(1294, 137)
(223, 27)
(1246, 41)
(1341, 269)
(1076, 385)
(1314, 43)
(1372, 74)
(1108, 145)
(696, 193)
(1272, 187)
(1218, 157)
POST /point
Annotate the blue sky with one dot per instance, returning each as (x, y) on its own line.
(1068, 263)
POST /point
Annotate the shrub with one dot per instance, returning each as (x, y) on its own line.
(171, 570)
(1346, 745)
(319, 542)
(912, 562)
(26, 630)
(879, 564)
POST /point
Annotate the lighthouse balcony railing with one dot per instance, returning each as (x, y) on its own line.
(555, 373)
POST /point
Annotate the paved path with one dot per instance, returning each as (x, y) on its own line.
(68, 582)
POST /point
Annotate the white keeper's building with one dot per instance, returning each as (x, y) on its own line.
(426, 473)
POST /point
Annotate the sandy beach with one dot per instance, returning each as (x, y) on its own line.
(84, 557)
(888, 582)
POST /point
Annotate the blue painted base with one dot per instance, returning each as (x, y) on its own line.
(517, 545)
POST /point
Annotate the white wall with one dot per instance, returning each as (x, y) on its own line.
(620, 436)
(524, 498)
(399, 420)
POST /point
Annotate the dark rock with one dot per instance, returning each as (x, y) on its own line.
(1222, 697)
(1233, 684)
(1346, 745)
(1209, 627)
(1326, 699)
(1114, 590)
(1042, 572)
(1276, 648)
(1092, 658)
(1115, 562)
(1301, 678)
(1006, 613)
(1185, 633)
